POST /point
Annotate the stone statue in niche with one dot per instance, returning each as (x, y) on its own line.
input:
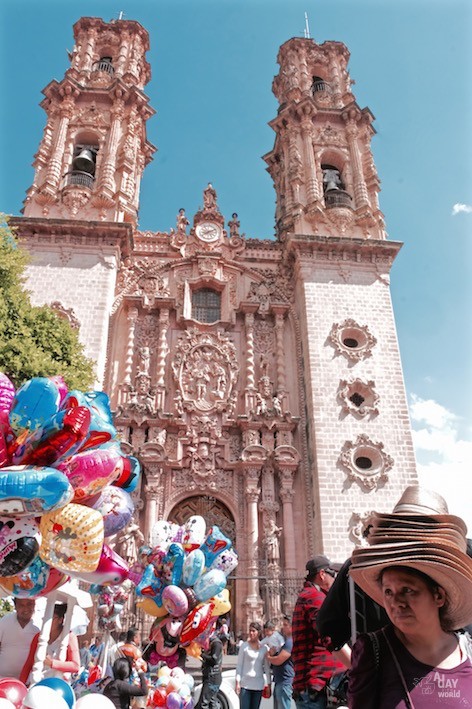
(271, 542)
(267, 404)
(129, 541)
(142, 396)
(144, 360)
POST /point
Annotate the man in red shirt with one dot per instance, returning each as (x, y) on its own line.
(313, 662)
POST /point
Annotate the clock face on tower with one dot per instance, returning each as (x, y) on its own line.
(208, 232)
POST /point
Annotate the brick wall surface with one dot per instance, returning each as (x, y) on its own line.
(84, 283)
(328, 298)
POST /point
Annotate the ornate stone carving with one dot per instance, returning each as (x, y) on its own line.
(66, 314)
(75, 199)
(366, 462)
(264, 336)
(358, 397)
(352, 340)
(141, 398)
(205, 370)
(357, 527)
(204, 425)
(275, 286)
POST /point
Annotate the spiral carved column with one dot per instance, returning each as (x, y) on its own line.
(162, 350)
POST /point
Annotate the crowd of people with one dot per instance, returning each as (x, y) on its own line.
(388, 629)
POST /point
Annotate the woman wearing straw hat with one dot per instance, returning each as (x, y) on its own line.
(417, 568)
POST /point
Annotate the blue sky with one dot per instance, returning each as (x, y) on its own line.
(212, 67)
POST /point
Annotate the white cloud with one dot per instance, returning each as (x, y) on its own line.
(443, 455)
(459, 207)
(431, 413)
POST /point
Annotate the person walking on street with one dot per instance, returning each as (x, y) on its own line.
(282, 668)
(212, 661)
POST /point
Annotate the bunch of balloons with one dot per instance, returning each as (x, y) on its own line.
(173, 689)
(111, 602)
(64, 487)
(53, 693)
(181, 581)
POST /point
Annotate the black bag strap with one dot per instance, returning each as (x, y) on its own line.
(400, 671)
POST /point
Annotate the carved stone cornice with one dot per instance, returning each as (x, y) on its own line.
(60, 232)
(351, 251)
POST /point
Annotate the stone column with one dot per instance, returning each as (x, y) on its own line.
(279, 314)
(152, 491)
(132, 317)
(126, 385)
(122, 54)
(313, 189)
(55, 166)
(162, 350)
(252, 493)
(250, 390)
(286, 494)
(108, 164)
(360, 189)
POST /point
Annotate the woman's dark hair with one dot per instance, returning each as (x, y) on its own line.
(121, 668)
(256, 626)
(60, 610)
(433, 587)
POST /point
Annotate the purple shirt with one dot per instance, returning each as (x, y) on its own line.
(380, 687)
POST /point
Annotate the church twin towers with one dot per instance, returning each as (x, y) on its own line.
(259, 382)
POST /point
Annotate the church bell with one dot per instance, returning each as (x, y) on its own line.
(84, 161)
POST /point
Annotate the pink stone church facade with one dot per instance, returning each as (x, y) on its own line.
(258, 381)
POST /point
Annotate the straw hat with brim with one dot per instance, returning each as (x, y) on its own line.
(401, 521)
(419, 501)
(444, 537)
(455, 580)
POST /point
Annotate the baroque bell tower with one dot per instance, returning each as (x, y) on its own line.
(94, 148)
(80, 213)
(331, 229)
(322, 165)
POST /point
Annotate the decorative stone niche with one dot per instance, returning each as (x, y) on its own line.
(358, 397)
(353, 341)
(366, 462)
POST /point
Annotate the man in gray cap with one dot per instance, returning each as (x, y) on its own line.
(313, 663)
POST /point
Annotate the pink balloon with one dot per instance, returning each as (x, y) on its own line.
(13, 690)
(111, 569)
(7, 392)
(91, 471)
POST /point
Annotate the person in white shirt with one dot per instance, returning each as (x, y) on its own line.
(252, 669)
(17, 631)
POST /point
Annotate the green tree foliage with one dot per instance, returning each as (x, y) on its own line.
(6, 606)
(34, 341)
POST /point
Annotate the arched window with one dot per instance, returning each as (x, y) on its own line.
(206, 305)
(334, 191)
(82, 170)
